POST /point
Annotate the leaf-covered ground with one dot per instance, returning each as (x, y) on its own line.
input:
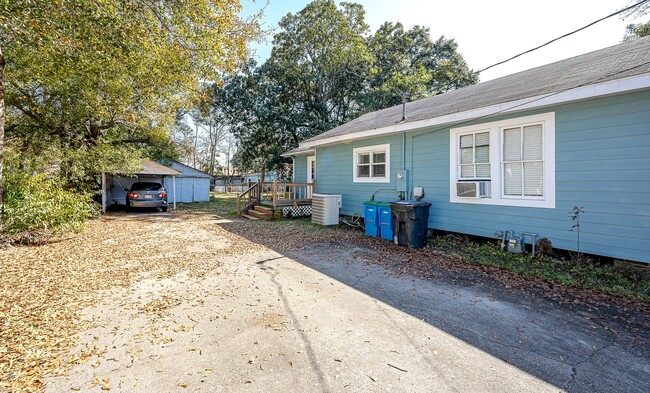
(44, 288)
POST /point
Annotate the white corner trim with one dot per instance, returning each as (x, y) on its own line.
(368, 149)
(496, 151)
(310, 160)
(617, 86)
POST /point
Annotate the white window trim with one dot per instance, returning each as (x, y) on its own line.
(370, 149)
(310, 160)
(490, 162)
(496, 159)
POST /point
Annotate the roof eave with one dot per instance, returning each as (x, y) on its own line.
(299, 153)
(618, 86)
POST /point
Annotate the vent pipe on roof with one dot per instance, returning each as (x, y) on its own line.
(403, 108)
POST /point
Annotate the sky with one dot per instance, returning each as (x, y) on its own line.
(486, 31)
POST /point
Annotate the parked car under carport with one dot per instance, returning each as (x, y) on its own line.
(115, 186)
(146, 194)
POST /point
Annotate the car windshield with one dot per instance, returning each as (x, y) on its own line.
(146, 186)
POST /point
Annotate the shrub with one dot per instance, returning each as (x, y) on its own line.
(41, 203)
(615, 280)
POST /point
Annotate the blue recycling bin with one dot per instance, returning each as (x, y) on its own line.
(385, 222)
(370, 218)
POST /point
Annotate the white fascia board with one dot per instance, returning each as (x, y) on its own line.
(289, 154)
(617, 86)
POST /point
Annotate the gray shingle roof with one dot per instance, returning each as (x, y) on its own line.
(616, 62)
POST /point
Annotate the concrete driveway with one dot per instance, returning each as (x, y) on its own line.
(319, 317)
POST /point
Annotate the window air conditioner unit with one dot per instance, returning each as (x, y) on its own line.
(473, 189)
(325, 209)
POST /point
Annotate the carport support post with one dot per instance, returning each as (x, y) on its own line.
(103, 192)
(174, 190)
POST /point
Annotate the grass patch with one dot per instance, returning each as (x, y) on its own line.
(222, 205)
(617, 280)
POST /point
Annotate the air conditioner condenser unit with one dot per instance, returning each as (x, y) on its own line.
(325, 209)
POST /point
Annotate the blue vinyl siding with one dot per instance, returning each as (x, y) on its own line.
(335, 173)
(602, 164)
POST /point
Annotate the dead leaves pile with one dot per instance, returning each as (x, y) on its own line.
(43, 288)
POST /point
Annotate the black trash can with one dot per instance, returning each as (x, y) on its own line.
(410, 220)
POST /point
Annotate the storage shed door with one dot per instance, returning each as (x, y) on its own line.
(185, 189)
(201, 189)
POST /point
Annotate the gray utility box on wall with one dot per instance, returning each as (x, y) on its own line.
(402, 180)
(410, 222)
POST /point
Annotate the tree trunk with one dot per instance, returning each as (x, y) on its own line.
(228, 163)
(2, 136)
(196, 141)
(213, 138)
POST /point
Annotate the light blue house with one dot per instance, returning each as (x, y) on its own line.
(255, 177)
(515, 153)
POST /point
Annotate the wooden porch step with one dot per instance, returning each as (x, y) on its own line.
(259, 214)
(249, 217)
(264, 209)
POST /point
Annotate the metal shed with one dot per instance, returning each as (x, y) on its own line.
(192, 185)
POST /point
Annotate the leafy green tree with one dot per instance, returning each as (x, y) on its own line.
(634, 31)
(101, 81)
(319, 65)
(250, 100)
(324, 71)
(407, 63)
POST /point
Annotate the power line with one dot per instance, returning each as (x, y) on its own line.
(647, 63)
(566, 35)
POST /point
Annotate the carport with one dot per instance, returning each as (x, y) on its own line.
(114, 186)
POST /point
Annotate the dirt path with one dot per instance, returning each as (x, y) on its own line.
(173, 303)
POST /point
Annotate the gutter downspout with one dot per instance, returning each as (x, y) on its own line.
(404, 144)
(404, 161)
(174, 189)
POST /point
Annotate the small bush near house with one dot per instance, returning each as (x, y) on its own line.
(35, 202)
(616, 280)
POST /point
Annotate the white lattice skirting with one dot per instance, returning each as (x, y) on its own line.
(296, 211)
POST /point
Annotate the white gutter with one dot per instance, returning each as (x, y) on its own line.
(617, 86)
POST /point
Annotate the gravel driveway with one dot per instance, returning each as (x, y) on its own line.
(183, 302)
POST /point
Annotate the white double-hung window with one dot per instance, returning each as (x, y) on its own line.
(371, 164)
(516, 157)
(523, 161)
(474, 155)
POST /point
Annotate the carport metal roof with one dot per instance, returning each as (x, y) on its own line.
(153, 168)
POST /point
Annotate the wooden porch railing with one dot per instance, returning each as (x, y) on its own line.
(278, 193)
(249, 197)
